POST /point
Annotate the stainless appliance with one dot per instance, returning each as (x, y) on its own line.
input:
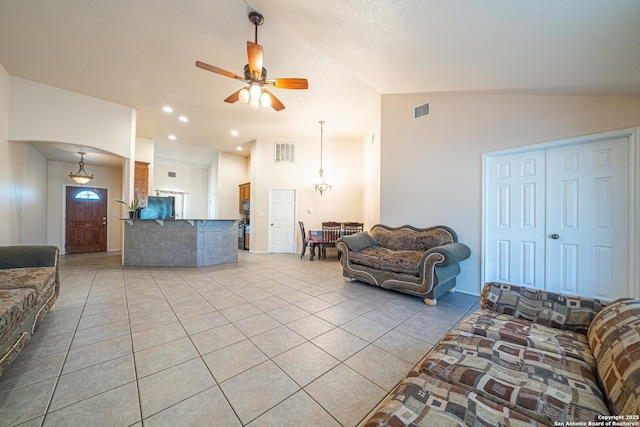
(243, 235)
(246, 205)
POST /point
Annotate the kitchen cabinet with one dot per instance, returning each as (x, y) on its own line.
(141, 183)
(244, 193)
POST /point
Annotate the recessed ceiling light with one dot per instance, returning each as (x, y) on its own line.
(183, 119)
(234, 133)
(172, 137)
(239, 148)
(167, 109)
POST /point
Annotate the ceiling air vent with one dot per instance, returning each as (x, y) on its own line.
(421, 110)
(284, 152)
(172, 174)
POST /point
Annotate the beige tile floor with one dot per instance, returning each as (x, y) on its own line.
(270, 341)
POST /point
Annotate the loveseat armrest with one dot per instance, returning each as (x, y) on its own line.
(28, 256)
(452, 252)
(567, 312)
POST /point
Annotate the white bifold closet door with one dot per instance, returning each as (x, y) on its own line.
(558, 218)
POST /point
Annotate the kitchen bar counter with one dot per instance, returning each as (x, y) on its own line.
(180, 242)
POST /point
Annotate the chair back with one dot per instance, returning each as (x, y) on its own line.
(304, 238)
(352, 228)
(331, 232)
(304, 235)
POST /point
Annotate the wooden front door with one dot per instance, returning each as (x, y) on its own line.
(86, 220)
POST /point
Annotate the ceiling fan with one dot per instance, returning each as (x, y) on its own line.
(255, 75)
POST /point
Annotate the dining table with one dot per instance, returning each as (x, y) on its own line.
(314, 240)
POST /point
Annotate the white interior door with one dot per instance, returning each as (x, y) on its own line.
(515, 219)
(282, 221)
(587, 228)
(557, 218)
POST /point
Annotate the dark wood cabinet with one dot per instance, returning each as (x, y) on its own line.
(141, 183)
(245, 193)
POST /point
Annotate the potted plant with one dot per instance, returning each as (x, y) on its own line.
(133, 207)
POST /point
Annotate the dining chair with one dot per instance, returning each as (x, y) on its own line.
(304, 239)
(330, 234)
(352, 227)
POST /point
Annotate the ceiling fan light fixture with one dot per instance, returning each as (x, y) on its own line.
(255, 91)
(265, 100)
(243, 95)
(255, 76)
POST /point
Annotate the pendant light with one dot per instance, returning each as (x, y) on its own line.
(81, 177)
(320, 185)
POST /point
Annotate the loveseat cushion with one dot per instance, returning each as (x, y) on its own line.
(400, 261)
(15, 306)
(542, 385)
(505, 327)
(408, 239)
(614, 337)
(369, 257)
(40, 279)
(424, 401)
(542, 307)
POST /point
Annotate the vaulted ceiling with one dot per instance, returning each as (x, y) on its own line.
(141, 54)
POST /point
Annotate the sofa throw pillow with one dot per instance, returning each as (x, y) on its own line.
(359, 241)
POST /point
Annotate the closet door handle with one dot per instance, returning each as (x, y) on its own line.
(554, 236)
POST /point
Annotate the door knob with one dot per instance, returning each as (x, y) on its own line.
(554, 236)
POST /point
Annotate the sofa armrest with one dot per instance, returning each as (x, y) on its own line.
(28, 256)
(568, 312)
(452, 252)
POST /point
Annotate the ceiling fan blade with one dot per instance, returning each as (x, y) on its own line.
(275, 102)
(290, 83)
(254, 53)
(217, 70)
(234, 97)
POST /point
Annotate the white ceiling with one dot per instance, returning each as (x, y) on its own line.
(141, 54)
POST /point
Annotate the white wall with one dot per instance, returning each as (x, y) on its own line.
(189, 179)
(30, 186)
(232, 171)
(371, 173)
(104, 177)
(212, 206)
(342, 164)
(431, 167)
(43, 113)
(22, 182)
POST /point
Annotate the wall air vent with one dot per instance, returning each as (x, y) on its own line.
(421, 110)
(172, 174)
(284, 152)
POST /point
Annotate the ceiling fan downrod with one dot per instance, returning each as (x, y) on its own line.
(256, 19)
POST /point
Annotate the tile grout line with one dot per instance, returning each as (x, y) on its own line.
(53, 391)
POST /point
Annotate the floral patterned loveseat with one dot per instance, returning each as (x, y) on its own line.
(417, 261)
(526, 358)
(29, 285)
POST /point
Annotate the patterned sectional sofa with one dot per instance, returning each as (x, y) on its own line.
(526, 358)
(29, 285)
(417, 261)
